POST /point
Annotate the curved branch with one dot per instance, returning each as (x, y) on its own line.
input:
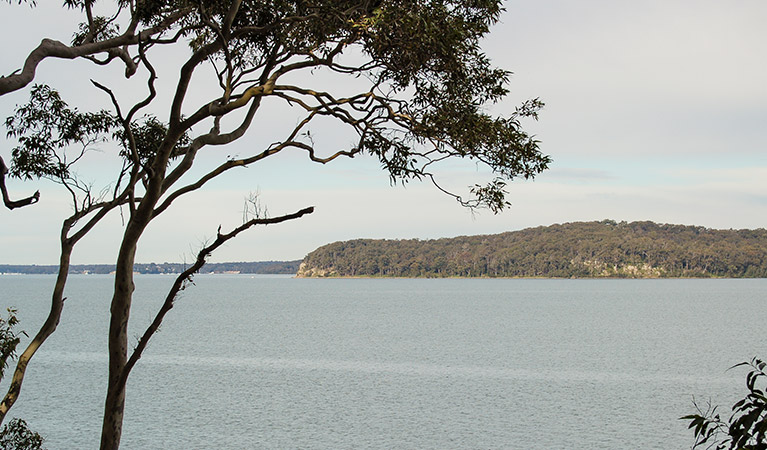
(185, 77)
(52, 48)
(150, 84)
(48, 327)
(12, 204)
(212, 138)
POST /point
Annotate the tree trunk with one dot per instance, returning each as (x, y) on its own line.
(118, 350)
(114, 406)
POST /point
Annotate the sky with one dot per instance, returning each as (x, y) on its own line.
(655, 110)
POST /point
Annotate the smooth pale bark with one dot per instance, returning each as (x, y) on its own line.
(114, 47)
(114, 406)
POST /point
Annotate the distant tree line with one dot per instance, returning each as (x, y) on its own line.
(581, 250)
(262, 267)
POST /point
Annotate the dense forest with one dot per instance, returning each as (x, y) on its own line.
(581, 249)
(262, 267)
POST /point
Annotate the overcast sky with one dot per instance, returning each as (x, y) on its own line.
(655, 110)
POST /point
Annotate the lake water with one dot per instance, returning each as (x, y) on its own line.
(274, 362)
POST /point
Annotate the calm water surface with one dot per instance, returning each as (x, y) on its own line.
(274, 362)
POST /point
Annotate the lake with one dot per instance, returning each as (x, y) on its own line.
(274, 362)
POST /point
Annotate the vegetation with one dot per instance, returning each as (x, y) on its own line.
(16, 435)
(9, 340)
(261, 267)
(583, 249)
(406, 80)
(746, 429)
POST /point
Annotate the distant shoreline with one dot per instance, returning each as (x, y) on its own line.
(457, 277)
(394, 278)
(254, 268)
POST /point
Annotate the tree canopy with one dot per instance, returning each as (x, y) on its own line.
(429, 84)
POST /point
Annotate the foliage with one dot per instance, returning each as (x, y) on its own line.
(45, 128)
(746, 428)
(147, 135)
(9, 340)
(16, 435)
(582, 249)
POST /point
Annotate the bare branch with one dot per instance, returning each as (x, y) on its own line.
(150, 83)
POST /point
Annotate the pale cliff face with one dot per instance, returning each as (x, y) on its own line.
(601, 269)
(304, 271)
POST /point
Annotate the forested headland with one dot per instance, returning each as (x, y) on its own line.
(579, 249)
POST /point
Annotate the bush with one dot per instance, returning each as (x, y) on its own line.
(746, 429)
(16, 435)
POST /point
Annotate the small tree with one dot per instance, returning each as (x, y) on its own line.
(746, 429)
(422, 87)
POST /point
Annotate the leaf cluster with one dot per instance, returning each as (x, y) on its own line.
(49, 133)
(16, 435)
(145, 137)
(100, 29)
(260, 28)
(9, 339)
(45, 128)
(746, 429)
(432, 48)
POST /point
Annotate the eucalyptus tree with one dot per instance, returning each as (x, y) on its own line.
(407, 78)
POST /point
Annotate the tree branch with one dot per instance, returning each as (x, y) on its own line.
(12, 204)
(57, 49)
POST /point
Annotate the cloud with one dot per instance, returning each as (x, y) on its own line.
(656, 77)
(576, 175)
